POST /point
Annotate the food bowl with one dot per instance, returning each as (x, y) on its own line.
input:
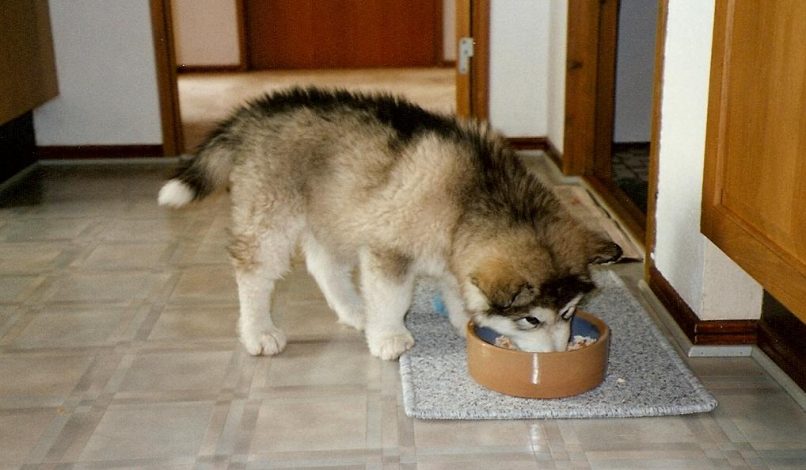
(541, 375)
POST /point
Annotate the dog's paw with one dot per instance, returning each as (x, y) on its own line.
(265, 343)
(390, 346)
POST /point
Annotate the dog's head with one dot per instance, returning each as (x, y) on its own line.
(522, 287)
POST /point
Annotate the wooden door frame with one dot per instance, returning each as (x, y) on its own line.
(168, 90)
(590, 104)
(472, 96)
(472, 89)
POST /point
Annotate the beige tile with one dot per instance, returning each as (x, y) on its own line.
(159, 372)
(17, 288)
(120, 256)
(206, 284)
(107, 286)
(73, 327)
(20, 431)
(39, 380)
(51, 229)
(320, 364)
(310, 321)
(146, 230)
(152, 431)
(326, 424)
(763, 416)
(504, 435)
(627, 433)
(182, 323)
(29, 257)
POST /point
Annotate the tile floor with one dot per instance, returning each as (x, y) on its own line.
(117, 350)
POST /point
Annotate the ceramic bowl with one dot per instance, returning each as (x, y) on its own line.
(541, 375)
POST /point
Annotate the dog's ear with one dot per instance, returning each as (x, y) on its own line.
(504, 288)
(602, 250)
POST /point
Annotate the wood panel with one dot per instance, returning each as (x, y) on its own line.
(27, 65)
(754, 193)
(306, 34)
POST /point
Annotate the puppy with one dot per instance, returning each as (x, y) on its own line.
(376, 183)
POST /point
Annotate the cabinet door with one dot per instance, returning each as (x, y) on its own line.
(306, 34)
(754, 194)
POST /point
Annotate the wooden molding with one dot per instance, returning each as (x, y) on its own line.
(554, 154)
(165, 57)
(527, 143)
(210, 68)
(700, 332)
(85, 152)
(654, 142)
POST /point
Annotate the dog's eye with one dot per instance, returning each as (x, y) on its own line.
(530, 321)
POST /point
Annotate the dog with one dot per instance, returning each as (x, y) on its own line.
(376, 183)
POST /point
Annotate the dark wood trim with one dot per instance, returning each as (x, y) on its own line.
(165, 57)
(605, 110)
(527, 143)
(634, 220)
(208, 68)
(554, 153)
(780, 336)
(479, 88)
(581, 86)
(85, 152)
(700, 332)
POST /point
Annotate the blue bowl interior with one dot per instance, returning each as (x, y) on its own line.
(579, 327)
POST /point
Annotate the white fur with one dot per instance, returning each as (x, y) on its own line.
(255, 286)
(175, 194)
(387, 301)
(335, 280)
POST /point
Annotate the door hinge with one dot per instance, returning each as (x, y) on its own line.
(465, 53)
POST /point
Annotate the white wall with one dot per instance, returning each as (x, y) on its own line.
(712, 285)
(635, 60)
(107, 75)
(519, 33)
(206, 32)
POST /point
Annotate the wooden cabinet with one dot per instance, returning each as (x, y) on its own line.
(754, 194)
(27, 67)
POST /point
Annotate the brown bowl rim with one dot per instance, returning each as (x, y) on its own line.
(603, 336)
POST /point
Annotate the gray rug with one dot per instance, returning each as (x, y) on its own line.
(645, 375)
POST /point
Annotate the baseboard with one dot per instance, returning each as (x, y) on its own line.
(554, 154)
(780, 336)
(528, 143)
(74, 152)
(701, 332)
(210, 68)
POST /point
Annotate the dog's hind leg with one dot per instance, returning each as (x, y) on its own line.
(335, 280)
(387, 282)
(260, 260)
(452, 299)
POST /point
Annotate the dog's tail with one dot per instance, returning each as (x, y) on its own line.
(209, 170)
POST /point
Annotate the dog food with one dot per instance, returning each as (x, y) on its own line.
(576, 342)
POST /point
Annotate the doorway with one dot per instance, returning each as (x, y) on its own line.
(470, 88)
(610, 102)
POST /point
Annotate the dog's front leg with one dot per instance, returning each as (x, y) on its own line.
(387, 283)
